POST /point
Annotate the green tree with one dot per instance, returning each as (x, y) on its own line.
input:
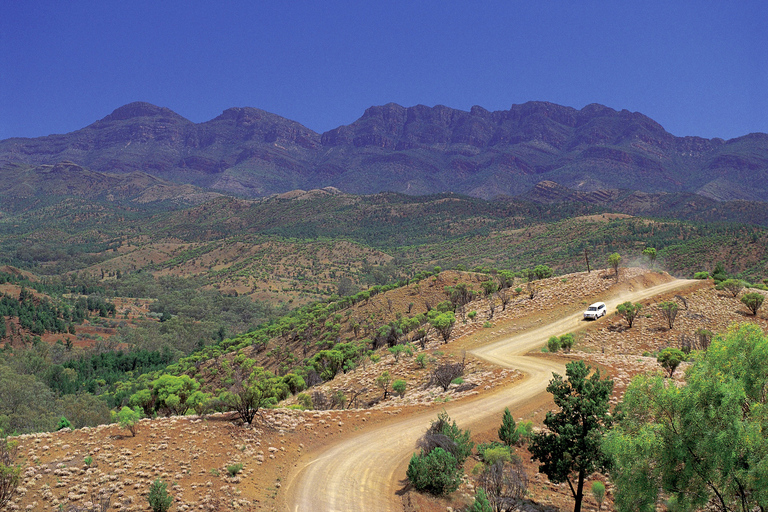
(753, 301)
(507, 431)
(570, 449)
(650, 253)
(159, 499)
(629, 311)
(399, 387)
(444, 323)
(173, 392)
(382, 381)
(670, 358)
(598, 492)
(542, 272)
(669, 312)
(250, 393)
(615, 260)
(553, 344)
(128, 419)
(702, 444)
(732, 286)
(566, 342)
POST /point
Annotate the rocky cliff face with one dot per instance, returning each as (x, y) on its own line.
(416, 150)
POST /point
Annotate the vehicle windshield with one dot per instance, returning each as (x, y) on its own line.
(592, 308)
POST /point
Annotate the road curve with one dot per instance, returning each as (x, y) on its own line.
(365, 472)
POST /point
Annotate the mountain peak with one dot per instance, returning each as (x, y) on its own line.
(140, 109)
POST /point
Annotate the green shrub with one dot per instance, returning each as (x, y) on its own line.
(159, 499)
(753, 301)
(481, 503)
(88, 460)
(524, 431)
(436, 472)
(128, 419)
(507, 431)
(598, 491)
(234, 469)
(701, 275)
(421, 360)
(553, 344)
(399, 387)
(63, 423)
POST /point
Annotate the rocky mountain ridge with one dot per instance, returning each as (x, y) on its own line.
(415, 150)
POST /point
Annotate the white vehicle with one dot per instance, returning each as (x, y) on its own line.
(595, 311)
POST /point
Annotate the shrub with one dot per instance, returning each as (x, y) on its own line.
(159, 499)
(553, 344)
(421, 360)
(566, 342)
(598, 491)
(753, 301)
(701, 275)
(128, 419)
(495, 453)
(436, 472)
(732, 286)
(399, 387)
(234, 469)
(88, 460)
(481, 503)
(524, 431)
(670, 359)
(669, 311)
(63, 423)
(629, 311)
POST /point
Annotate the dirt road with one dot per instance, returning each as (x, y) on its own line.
(366, 471)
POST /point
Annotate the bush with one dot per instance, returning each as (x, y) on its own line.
(234, 469)
(494, 452)
(159, 499)
(670, 359)
(63, 423)
(566, 342)
(732, 286)
(481, 503)
(553, 344)
(436, 472)
(399, 387)
(524, 431)
(598, 491)
(753, 301)
(128, 419)
(701, 275)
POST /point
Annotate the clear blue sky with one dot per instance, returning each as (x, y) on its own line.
(698, 68)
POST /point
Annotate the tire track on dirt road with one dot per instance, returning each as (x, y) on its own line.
(364, 472)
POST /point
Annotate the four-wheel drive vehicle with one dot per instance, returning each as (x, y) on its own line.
(595, 311)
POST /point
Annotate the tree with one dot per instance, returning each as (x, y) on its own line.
(504, 297)
(383, 381)
(650, 253)
(172, 393)
(507, 432)
(399, 387)
(670, 358)
(629, 311)
(249, 394)
(614, 260)
(598, 491)
(553, 344)
(701, 444)
(128, 419)
(444, 323)
(669, 311)
(542, 272)
(504, 482)
(446, 373)
(753, 301)
(566, 342)
(159, 499)
(489, 287)
(569, 450)
(732, 286)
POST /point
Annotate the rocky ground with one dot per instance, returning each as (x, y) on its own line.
(70, 470)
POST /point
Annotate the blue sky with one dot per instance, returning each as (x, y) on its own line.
(698, 68)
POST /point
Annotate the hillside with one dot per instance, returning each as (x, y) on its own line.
(192, 453)
(413, 150)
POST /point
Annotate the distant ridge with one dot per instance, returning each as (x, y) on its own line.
(414, 150)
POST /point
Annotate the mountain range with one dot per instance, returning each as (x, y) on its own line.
(415, 150)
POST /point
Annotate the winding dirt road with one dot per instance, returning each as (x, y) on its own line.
(365, 472)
